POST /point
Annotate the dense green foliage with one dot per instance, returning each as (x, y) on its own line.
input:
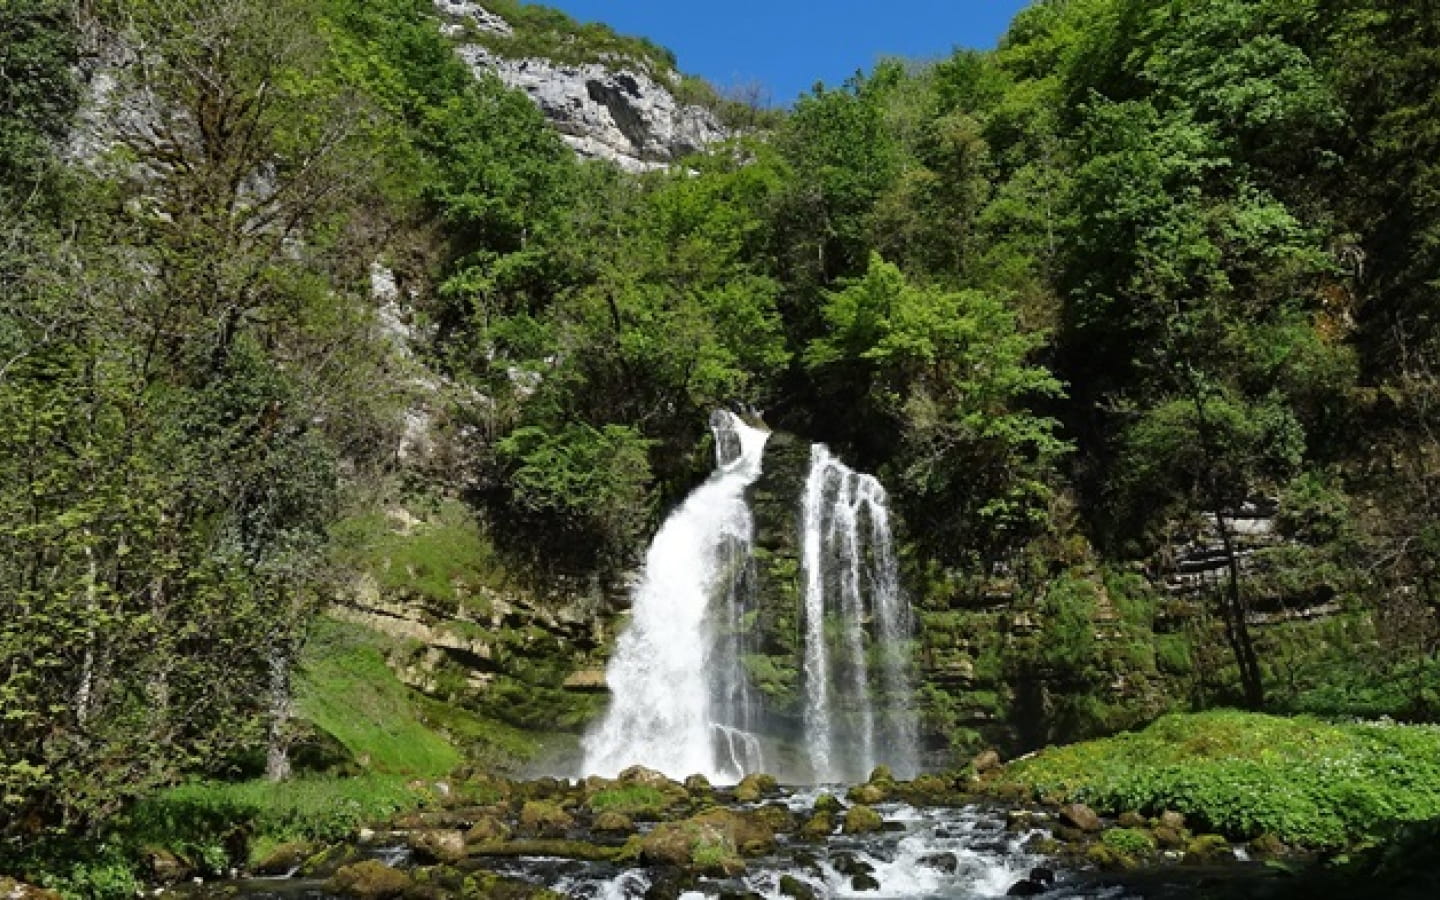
(1243, 775)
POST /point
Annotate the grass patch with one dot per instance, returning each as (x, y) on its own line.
(195, 819)
(630, 799)
(345, 688)
(1309, 782)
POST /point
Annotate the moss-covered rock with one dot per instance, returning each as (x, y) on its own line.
(791, 886)
(778, 817)
(861, 819)
(828, 803)
(869, 793)
(1106, 857)
(552, 847)
(164, 866)
(712, 841)
(330, 860)
(438, 846)
(1206, 849)
(1078, 815)
(369, 880)
(819, 826)
(545, 818)
(697, 785)
(487, 828)
(754, 787)
(283, 859)
(614, 823)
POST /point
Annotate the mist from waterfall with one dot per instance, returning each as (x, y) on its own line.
(856, 626)
(680, 702)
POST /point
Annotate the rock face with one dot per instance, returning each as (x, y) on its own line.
(614, 111)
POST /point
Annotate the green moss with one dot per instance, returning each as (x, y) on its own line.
(629, 799)
(345, 688)
(446, 561)
(1130, 841)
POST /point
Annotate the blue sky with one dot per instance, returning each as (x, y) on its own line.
(788, 45)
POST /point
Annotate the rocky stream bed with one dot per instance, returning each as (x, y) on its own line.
(643, 835)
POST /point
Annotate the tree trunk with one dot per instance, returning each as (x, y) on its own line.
(277, 741)
(1237, 629)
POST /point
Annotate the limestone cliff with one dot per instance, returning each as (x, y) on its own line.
(616, 108)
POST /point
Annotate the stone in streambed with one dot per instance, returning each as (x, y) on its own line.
(165, 867)
(790, 886)
(819, 826)
(849, 865)
(755, 786)
(698, 785)
(1080, 816)
(1167, 838)
(541, 817)
(860, 819)
(614, 823)
(864, 883)
(330, 860)
(369, 880)
(1207, 848)
(940, 862)
(777, 816)
(11, 889)
(1132, 820)
(868, 794)
(284, 859)
(827, 803)
(487, 828)
(438, 846)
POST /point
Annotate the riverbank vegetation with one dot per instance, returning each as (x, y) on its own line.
(1303, 781)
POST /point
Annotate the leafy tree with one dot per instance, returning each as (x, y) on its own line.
(949, 374)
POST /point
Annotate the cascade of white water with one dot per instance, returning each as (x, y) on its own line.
(679, 700)
(856, 628)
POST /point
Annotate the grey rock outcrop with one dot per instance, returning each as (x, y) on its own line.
(617, 111)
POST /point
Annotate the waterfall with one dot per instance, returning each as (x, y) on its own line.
(856, 628)
(680, 702)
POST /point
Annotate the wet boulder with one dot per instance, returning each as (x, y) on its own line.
(438, 846)
(752, 788)
(828, 803)
(487, 828)
(283, 860)
(614, 823)
(1207, 849)
(369, 880)
(698, 786)
(869, 793)
(940, 862)
(819, 826)
(541, 817)
(1078, 815)
(861, 819)
(790, 886)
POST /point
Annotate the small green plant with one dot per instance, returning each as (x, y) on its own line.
(630, 799)
(1130, 841)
